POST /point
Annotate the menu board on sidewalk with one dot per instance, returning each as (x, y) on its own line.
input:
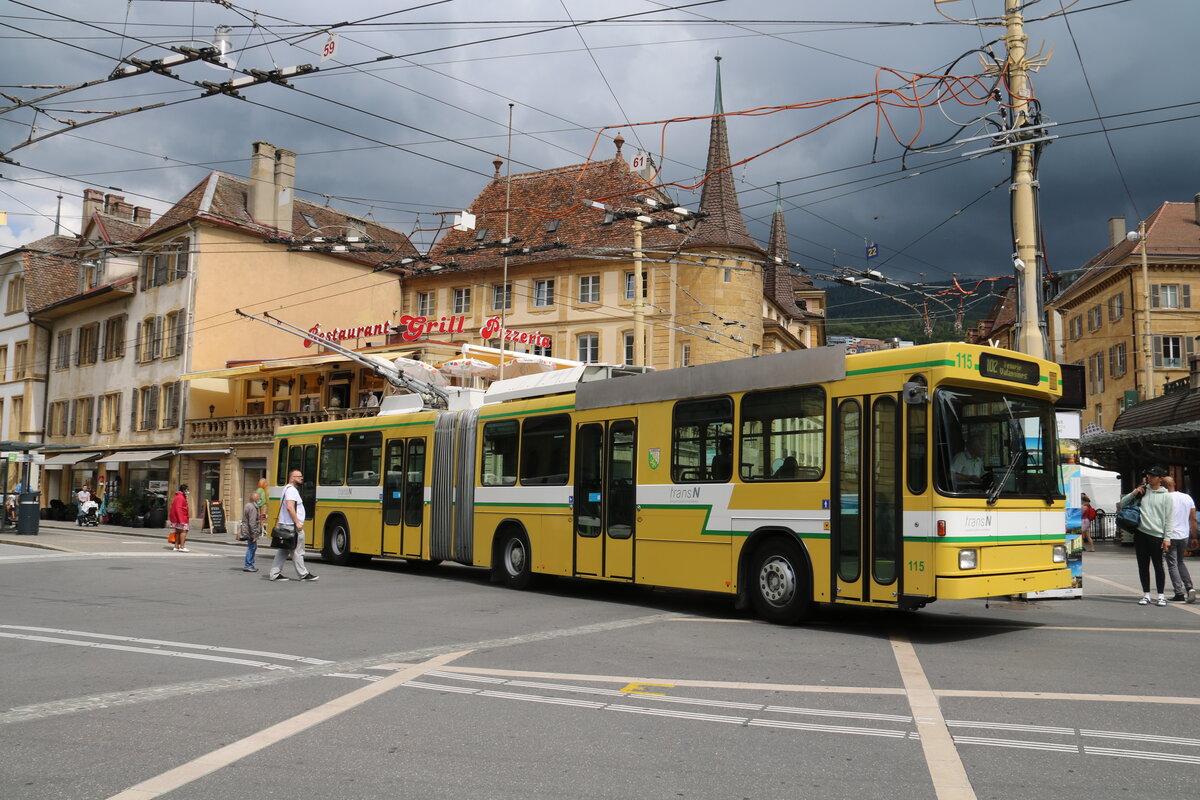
(216, 516)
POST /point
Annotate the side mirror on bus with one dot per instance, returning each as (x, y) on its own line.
(915, 394)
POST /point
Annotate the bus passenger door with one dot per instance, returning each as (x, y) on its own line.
(866, 498)
(605, 498)
(393, 496)
(414, 499)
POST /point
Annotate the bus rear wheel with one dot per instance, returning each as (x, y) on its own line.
(514, 564)
(779, 587)
(337, 543)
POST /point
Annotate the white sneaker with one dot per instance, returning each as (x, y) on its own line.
(1191, 596)
(1145, 601)
(1162, 600)
(184, 550)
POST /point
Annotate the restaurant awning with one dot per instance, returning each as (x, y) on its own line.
(136, 455)
(276, 364)
(63, 459)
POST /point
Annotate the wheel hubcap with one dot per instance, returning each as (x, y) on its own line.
(339, 540)
(777, 581)
(515, 557)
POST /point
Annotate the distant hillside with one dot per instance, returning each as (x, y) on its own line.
(856, 312)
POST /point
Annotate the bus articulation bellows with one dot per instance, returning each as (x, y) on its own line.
(879, 479)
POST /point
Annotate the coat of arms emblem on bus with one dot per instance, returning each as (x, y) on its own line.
(654, 457)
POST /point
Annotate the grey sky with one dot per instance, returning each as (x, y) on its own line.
(436, 116)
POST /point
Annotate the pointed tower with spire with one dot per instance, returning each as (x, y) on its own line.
(723, 226)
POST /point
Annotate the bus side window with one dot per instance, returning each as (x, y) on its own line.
(546, 450)
(702, 440)
(295, 461)
(366, 448)
(917, 444)
(333, 460)
(499, 459)
(783, 435)
(281, 463)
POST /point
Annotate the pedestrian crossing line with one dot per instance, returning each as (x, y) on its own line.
(165, 643)
(222, 757)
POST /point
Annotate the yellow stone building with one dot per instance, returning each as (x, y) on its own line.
(1099, 319)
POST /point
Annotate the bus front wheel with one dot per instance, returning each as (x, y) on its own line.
(337, 543)
(515, 569)
(778, 583)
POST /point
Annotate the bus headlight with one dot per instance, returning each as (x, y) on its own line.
(1060, 554)
(968, 559)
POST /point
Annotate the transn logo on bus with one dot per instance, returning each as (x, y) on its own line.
(685, 493)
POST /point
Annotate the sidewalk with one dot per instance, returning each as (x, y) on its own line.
(50, 535)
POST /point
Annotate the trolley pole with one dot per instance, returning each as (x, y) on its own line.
(1031, 337)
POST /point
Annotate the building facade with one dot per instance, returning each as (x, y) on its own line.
(161, 309)
(1133, 329)
(550, 267)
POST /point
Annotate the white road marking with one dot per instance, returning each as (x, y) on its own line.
(946, 770)
(222, 757)
(245, 662)
(1115, 753)
(164, 642)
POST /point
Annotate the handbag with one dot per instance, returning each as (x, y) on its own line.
(171, 537)
(1129, 517)
(285, 535)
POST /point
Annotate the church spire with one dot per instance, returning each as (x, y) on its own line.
(723, 225)
(777, 245)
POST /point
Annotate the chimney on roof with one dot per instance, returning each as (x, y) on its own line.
(141, 215)
(619, 141)
(93, 201)
(1116, 231)
(285, 184)
(122, 209)
(1196, 206)
(260, 196)
(112, 203)
(497, 162)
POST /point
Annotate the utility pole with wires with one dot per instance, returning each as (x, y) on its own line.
(1031, 333)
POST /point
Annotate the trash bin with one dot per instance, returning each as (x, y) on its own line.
(29, 513)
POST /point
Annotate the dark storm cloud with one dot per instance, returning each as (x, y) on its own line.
(436, 120)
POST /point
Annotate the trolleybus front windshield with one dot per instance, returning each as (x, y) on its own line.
(994, 445)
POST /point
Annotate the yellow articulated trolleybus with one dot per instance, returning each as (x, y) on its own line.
(879, 479)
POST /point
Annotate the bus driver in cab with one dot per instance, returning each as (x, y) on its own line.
(967, 467)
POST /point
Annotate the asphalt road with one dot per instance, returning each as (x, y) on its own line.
(135, 672)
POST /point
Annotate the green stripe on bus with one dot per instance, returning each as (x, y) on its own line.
(570, 407)
(706, 531)
(945, 362)
(1059, 538)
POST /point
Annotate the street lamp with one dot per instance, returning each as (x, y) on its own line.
(1147, 362)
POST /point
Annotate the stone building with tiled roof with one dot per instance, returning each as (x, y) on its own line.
(35, 273)
(551, 257)
(1099, 320)
(155, 302)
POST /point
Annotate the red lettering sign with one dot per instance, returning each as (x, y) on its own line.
(357, 332)
(492, 330)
